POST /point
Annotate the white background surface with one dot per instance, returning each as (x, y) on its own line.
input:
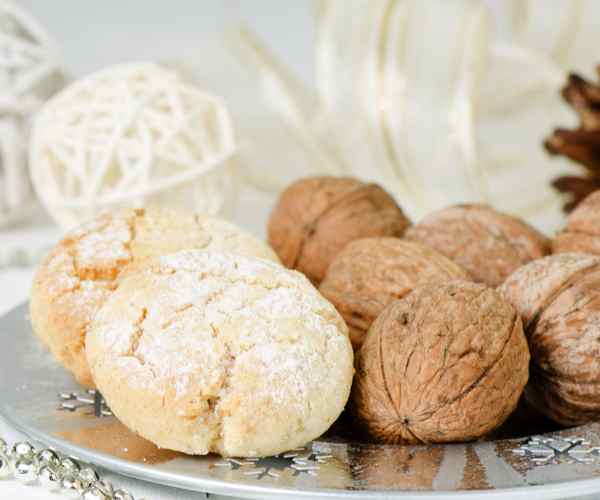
(95, 34)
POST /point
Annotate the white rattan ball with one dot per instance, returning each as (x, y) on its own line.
(132, 135)
(30, 72)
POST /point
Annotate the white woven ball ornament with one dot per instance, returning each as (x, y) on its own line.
(132, 135)
(30, 72)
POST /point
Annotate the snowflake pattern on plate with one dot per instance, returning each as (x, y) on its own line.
(299, 460)
(543, 451)
(91, 400)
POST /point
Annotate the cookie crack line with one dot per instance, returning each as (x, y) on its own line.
(137, 336)
(285, 285)
(207, 233)
(214, 402)
(95, 276)
(138, 213)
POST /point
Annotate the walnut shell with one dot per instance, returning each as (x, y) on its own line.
(316, 217)
(370, 273)
(582, 232)
(489, 245)
(558, 298)
(446, 363)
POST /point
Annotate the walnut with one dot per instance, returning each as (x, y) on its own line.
(370, 273)
(582, 233)
(489, 245)
(316, 217)
(559, 300)
(446, 363)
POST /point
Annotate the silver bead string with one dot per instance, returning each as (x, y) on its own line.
(29, 465)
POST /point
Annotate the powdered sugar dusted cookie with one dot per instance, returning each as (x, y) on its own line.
(211, 352)
(85, 267)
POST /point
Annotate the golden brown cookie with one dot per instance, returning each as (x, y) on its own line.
(84, 269)
(212, 352)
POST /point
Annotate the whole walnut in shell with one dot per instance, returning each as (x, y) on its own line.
(582, 233)
(370, 273)
(489, 245)
(446, 363)
(558, 298)
(316, 217)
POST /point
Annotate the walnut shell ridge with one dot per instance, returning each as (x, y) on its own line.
(370, 273)
(447, 363)
(488, 244)
(316, 217)
(558, 298)
(582, 232)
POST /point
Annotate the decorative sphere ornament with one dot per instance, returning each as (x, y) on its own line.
(132, 135)
(49, 477)
(69, 467)
(105, 487)
(72, 486)
(5, 466)
(30, 72)
(25, 469)
(48, 457)
(23, 450)
(122, 495)
(88, 477)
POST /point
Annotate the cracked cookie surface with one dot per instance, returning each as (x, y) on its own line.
(85, 267)
(210, 352)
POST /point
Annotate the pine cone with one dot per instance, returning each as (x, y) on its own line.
(581, 145)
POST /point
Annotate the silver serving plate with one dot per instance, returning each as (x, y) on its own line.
(38, 397)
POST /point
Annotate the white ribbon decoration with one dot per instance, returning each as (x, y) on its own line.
(423, 97)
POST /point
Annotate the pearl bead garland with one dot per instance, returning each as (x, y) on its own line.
(28, 465)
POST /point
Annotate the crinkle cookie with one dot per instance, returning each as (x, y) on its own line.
(211, 352)
(85, 267)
